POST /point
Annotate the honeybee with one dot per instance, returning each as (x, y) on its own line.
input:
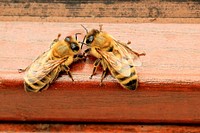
(46, 68)
(114, 56)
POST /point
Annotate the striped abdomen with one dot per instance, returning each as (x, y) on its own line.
(129, 82)
(43, 83)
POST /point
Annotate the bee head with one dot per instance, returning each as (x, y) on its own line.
(91, 35)
(72, 43)
(74, 46)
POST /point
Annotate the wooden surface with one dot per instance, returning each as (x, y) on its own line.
(88, 128)
(169, 80)
(100, 10)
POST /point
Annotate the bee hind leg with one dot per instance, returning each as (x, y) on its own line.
(22, 70)
(140, 54)
(96, 64)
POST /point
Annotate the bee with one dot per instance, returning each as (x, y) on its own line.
(46, 68)
(114, 56)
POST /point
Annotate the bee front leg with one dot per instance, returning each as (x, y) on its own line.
(86, 51)
(84, 55)
(96, 64)
(79, 57)
(67, 70)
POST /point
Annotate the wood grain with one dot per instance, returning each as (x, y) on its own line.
(169, 78)
(47, 10)
(88, 128)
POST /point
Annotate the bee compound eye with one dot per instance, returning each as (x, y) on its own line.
(67, 39)
(90, 39)
(74, 47)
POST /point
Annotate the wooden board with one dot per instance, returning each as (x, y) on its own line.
(102, 8)
(60, 10)
(169, 78)
(88, 128)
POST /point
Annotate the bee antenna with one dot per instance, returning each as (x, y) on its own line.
(84, 28)
(83, 42)
(58, 36)
(100, 26)
(76, 35)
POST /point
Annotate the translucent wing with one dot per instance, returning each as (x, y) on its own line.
(41, 67)
(128, 53)
(121, 65)
(121, 59)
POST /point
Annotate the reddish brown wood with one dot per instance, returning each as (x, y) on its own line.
(169, 78)
(88, 128)
(100, 105)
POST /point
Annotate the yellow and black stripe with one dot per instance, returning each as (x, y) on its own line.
(129, 82)
(43, 83)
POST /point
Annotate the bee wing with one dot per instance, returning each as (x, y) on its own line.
(121, 65)
(128, 53)
(41, 67)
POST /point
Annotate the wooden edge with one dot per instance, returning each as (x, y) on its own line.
(102, 8)
(88, 102)
(101, 20)
(86, 128)
(15, 80)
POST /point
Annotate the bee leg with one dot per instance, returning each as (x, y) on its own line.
(21, 70)
(103, 76)
(129, 42)
(79, 57)
(70, 75)
(96, 64)
(86, 51)
(67, 69)
(140, 54)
